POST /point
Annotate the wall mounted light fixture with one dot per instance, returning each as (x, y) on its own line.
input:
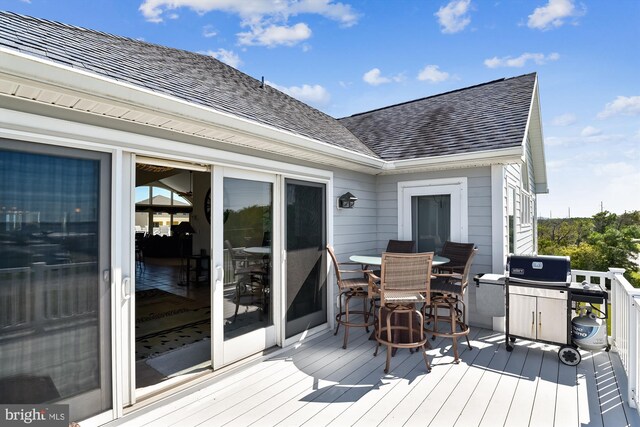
(347, 201)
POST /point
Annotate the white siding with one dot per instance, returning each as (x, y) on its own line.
(354, 230)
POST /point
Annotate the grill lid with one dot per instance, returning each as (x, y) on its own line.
(539, 269)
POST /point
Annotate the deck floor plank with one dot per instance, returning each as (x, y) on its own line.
(477, 403)
(525, 392)
(387, 383)
(228, 405)
(500, 401)
(567, 403)
(462, 392)
(611, 405)
(437, 396)
(544, 404)
(317, 383)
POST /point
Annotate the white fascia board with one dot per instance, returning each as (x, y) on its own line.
(53, 131)
(534, 130)
(477, 158)
(92, 86)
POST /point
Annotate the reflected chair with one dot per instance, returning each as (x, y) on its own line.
(249, 280)
(404, 284)
(448, 288)
(348, 289)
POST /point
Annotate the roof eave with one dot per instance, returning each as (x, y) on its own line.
(23, 68)
(456, 161)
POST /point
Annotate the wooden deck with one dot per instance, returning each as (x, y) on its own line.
(317, 383)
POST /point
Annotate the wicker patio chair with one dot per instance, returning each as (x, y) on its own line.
(447, 300)
(404, 284)
(348, 289)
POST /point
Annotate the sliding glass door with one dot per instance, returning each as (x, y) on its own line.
(55, 342)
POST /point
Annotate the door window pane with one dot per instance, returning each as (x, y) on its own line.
(53, 316)
(431, 221)
(248, 221)
(306, 257)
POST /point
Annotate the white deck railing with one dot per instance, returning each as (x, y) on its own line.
(625, 331)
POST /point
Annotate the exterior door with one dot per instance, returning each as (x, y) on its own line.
(244, 312)
(55, 326)
(305, 242)
(432, 212)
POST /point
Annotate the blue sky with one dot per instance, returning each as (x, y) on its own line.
(353, 56)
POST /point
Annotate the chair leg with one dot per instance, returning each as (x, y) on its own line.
(339, 315)
(452, 310)
(346, 326)
(389, 348)
(424, 347)
(378, 329)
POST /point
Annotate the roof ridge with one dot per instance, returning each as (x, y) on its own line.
(438, 94)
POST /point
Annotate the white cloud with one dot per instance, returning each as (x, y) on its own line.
(275, 35)
(520, 61)
(622, 105)
(453, 17)
(311, 94)
(590, 131)
(564, 119)
(374, 77)
(208, 31)
(226, 56)
(553, 14)
(173, 16)
(614, 169)
(432, 73)
(254, 11)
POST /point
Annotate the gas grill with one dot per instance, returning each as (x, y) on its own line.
(540, 301)
(538, 306)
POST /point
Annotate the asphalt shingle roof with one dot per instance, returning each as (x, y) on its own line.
(479, 118)
(196, 78)
(485, 117)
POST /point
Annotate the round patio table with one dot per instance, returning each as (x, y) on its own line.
(377, 260)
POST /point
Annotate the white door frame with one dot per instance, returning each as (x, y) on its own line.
(454, 187)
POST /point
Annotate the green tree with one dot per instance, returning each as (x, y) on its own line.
(598, 243)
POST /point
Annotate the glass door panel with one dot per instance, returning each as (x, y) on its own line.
(55, 336)
(248, 224)
(431, 221)
(306, 278)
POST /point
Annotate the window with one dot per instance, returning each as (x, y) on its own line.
(160, 207)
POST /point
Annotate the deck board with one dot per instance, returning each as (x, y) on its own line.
(317, 383)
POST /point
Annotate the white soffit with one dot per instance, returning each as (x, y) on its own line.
(41, 81)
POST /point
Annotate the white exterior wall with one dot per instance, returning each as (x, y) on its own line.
(354, 230)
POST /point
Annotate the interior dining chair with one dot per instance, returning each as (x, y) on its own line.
(447, 299)
(348, 289)
(404, 284)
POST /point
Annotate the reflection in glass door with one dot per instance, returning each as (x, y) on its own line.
(54, 298)
(248, 225)
(306, 295)
(431, 221)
